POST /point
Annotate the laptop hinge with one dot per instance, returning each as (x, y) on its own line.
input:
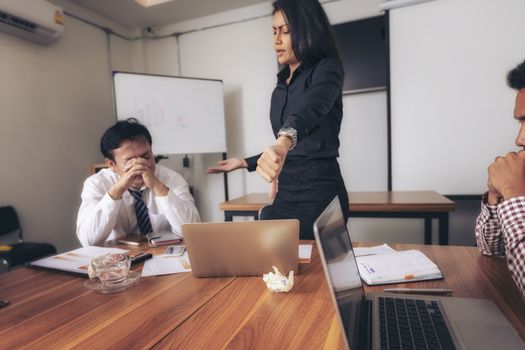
(365, 330)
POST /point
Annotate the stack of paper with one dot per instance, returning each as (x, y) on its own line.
(166, 264)
(397, 267)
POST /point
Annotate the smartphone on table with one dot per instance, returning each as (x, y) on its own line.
(137, 257)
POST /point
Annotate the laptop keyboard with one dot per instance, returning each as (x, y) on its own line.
(412, 324)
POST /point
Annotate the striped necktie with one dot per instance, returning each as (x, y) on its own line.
(142, 212)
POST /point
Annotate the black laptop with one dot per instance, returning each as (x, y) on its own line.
(400, 321)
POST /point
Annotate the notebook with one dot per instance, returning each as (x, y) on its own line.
(242, 248)
(397, 267)
(429, 322)
(76, 261)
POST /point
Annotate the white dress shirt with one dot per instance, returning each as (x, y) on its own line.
(101, 218)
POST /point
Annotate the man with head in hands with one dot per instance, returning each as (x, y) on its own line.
(500, 227)
(133, 195)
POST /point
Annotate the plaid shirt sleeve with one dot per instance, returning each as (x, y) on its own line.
(488, 230)
(512, 215)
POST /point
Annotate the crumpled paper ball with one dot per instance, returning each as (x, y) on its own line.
(277, 282)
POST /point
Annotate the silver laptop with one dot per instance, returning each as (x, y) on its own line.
(391, 321)
(242, 248)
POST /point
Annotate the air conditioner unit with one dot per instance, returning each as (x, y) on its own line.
(35, 20)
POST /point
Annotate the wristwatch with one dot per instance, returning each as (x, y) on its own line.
(291, 133)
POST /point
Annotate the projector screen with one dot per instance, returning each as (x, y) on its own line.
(183, 115)
(451, 110)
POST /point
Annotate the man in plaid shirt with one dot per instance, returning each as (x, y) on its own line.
(500, 227)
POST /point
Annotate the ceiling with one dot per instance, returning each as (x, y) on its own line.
(132, 15)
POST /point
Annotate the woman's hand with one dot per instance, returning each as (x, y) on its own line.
(271, 162)
(225, 166)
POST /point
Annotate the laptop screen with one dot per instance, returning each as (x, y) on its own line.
(338, 258)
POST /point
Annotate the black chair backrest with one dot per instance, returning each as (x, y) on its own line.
(8, 220)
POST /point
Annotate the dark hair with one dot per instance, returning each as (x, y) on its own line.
(516, 77)
(123, 130)
(312, 35)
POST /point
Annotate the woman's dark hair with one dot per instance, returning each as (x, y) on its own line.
(312, 35)
(123, 130)
(516, 77)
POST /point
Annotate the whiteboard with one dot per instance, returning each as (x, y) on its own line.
(183, 115)
(451, 109)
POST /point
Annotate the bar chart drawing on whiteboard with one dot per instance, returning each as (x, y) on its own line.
(151, 113)
(183, 115)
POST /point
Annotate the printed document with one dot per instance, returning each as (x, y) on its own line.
(397, 267)
(166, 264)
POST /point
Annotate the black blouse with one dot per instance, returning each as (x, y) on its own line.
(311, 104)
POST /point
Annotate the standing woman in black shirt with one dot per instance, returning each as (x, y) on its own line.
(306, 113)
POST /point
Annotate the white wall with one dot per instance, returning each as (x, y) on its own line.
(363, 138)
(236, 46)
(247, 68)
(237, 49)
(451, 121)
(56, 102)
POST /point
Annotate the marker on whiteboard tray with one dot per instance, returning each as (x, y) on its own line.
(160, 157)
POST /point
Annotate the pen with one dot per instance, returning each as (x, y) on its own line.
(419, 290)
(141, 257)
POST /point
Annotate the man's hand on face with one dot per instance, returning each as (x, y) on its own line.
(507, 175)
(131, 177)
(149, 178)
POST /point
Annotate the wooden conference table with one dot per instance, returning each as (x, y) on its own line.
(427, 205)
(51, 310)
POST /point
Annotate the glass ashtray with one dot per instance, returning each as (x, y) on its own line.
(131, 279)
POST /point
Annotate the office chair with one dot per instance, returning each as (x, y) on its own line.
(266, 213)
(20, 252)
